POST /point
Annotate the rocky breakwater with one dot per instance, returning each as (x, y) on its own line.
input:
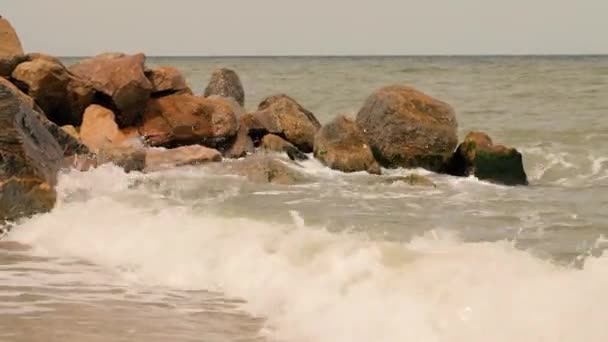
(112, 108)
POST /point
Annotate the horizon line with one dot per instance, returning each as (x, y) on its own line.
(364, 55)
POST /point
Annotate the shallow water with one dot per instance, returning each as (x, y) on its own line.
(190, 255)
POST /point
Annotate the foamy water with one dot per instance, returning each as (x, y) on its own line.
(193, 255)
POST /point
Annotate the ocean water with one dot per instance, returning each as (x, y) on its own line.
(190, 255)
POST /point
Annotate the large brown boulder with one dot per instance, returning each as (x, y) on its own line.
(29, 158)
(226, 83)
(406, 128)
(167, 80)
(10, 44)
(9, 63)
(120, 83)
(242, 144)
(99, 130)
(478, 156)
(161, 158)
(47, 82)
(283, 116)
(341, 145)
(181, 119)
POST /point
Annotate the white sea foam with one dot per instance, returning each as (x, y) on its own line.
(312, 285)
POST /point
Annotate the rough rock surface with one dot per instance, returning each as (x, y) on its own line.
(187, 119)
(283, 116)
(242, 144)
(10, 44)
(341, 145)
(9, 63)
(120, 83)
(406, 128)
(226, 83)
(477, 155)
(274, 143)
(167, 80)
(29, 158)
(161, 158)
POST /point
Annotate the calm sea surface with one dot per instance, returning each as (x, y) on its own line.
(190, 255)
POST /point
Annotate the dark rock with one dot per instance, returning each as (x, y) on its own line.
(406, 128)
(29, 158)
(341, 145)
(242, 144)
(9, 63)
(226, 83)
(274, 143)
(283, 116)
(167, 80)
(120, 83)
(478, 156)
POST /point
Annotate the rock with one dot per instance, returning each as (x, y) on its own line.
(274, 143)
(283, 116)
(29, 158)
(129, 158)
(9, 63)
(99, 130)
(235, 106)
(226, 83)
(161, 158)
(46, 82)
(167, 80)
(265, 169)
(32, 56)
(478, 156)
(120, 83)
(10, 44)
(186, 119)
(72, 131)
(242, 144)
(80, 95)
(406, 128)
(413, 179)
(341, 145)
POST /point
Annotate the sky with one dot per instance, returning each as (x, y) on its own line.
(310, 27)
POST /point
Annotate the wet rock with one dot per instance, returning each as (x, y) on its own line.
(226, 83)
(406, 128)
(99, 130)
(183, 119)
(167, 80)
(72, 131)
(265, 169)
(10, 45)
(283, 116)
(161, 158)
(413, 179)
(478, 156)
(341, 145)
(129, 158)
(119, 82)
(29, 158)
(274, 143)
(47, 82)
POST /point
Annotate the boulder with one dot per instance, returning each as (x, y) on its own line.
(119, 82)
(283, 116)
(32, 56)
(9, 63)
(478, 156)
(265, 169)
(47, 82)
(72, 131)
(242, 144)
(186, 119)
(406, 128)
(167, 80)
(10, 44)
(226, 83)
(29, 158)
(161, 158)
(341, 145)
(274, 143)
(99, 130)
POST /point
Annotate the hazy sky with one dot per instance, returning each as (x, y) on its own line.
(317, 27)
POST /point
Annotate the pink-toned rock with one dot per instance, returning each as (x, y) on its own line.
(161, 158)
(99, 130)
(121, 81)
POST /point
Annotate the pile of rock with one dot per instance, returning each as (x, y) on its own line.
(113, 108)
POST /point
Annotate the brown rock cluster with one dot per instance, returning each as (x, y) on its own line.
(111, 108)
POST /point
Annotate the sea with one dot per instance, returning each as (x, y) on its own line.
(192, 255)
